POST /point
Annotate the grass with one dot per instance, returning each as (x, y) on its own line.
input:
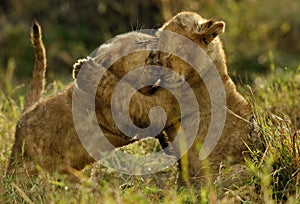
(274, 164)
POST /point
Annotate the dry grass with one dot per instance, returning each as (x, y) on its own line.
(274, 163)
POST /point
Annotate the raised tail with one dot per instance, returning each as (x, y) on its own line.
(37, 85)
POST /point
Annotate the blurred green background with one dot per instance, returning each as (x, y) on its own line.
(259, 33)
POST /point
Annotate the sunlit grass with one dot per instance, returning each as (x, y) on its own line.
(274, 162)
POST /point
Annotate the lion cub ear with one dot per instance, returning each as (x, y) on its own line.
(77, 66)
(209, 30)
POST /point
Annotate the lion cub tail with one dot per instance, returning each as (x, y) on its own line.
(37, 85)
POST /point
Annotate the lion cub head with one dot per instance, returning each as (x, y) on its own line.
(201, 31)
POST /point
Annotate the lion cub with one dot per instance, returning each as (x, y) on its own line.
(230, 146)
(45, 133)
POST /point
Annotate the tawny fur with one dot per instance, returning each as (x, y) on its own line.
(37, 85)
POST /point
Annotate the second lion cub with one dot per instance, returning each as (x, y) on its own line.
(205, 33)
